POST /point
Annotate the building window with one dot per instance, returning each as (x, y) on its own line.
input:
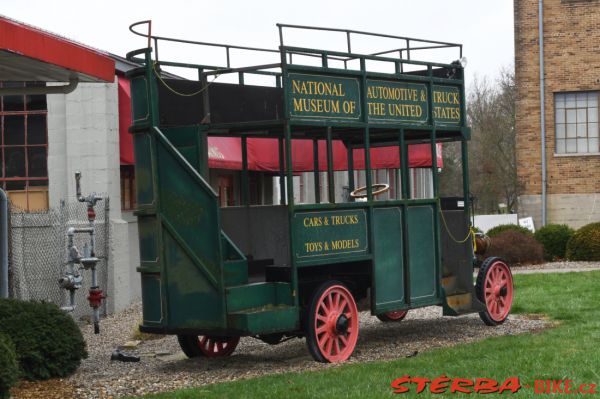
(24, 148)
(576, 121)
(128, 202)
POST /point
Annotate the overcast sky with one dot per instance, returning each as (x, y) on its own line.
(484, 27)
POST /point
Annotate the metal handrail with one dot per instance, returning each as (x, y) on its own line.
(350, 32)
(300, 51)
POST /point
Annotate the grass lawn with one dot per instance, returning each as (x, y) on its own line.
(569, 351)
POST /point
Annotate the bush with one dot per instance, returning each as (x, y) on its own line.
(501, 228)
(516, 247)
(9, 367)
(585, 243)
(48, 342)
(554, 238)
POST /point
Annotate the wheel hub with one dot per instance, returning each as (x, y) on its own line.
(341, 324)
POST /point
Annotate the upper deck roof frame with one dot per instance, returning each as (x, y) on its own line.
(402, 55)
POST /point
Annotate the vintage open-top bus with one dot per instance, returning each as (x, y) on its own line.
(212, 274)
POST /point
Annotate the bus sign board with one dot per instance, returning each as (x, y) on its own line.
(330, 233)
(323, 97)
(320, 97)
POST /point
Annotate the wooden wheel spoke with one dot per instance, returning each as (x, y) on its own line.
(344, 340)
(328, 345)
(337, 346)
(321, 329)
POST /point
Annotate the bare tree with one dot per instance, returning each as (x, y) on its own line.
(492, 163)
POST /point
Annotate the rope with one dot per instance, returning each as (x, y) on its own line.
(469, 234)
(172, 90)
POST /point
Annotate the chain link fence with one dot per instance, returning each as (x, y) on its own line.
(38, 252)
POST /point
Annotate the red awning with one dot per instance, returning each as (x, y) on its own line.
(263, 153)
(125, 139)
(28, 53)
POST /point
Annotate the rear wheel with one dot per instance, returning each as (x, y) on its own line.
(494, 288)
(207, 346)
(332, 329)
(396, 315)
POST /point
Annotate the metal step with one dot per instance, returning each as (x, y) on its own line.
(265, 319)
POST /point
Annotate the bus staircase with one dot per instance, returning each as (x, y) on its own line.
(250, 307)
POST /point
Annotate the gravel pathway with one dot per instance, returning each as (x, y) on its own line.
(98, 377)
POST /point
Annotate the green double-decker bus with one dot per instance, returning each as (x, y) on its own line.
(212, 274)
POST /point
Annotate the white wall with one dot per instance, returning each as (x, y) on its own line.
(83, 135)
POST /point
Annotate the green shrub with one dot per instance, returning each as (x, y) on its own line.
(554, 238)
(494, 231)
(516, 248)
(9, 367)
(585, 243)
(48, 342)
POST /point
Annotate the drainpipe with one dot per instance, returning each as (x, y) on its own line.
(3, 245)
(542, 106)
(19, 91)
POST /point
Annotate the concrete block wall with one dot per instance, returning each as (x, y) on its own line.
(83, 135)
(572, 63)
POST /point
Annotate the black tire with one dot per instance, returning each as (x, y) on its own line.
(189, 345)
(484, 269)
(351, 333)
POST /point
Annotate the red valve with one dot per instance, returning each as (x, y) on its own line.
(91, 214)
(95, 297)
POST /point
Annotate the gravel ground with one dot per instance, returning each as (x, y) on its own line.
(99, 377)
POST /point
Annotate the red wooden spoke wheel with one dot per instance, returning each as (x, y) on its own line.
(332, 330)
(396, 315)
(495, 289)
(207, 346)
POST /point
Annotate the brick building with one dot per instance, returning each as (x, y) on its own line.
(571, 65)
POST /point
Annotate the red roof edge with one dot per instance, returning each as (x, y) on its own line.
(37, 44)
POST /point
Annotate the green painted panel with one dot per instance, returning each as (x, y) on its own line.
(185, 139)
(327, 234)
(270, 319)
(235, 272)
(144, 180)
(193, 302)
(190, 210)
(446, 105)
(422, 253)
(397, 101)
(140, 109)
(323, 97)
(392, 101)
(152, 309)
(148, 237)
(257, 295)
(335, 98)
(388, 267)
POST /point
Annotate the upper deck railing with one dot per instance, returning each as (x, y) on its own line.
(402, 55)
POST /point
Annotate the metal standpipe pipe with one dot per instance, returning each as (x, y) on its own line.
(3, 244)
(542, 107)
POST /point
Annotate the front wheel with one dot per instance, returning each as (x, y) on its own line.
(494, 288)
(332, 329)
(207, 346)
